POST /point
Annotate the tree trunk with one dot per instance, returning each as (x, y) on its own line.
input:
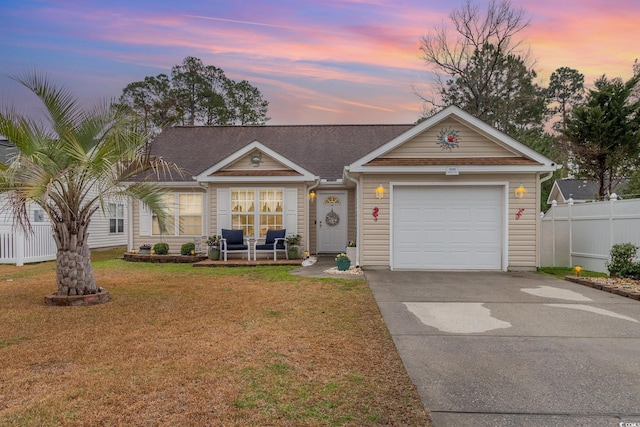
(73, 261)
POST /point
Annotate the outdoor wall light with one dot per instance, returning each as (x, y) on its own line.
(312, 196)
(380, 192)
(520, 192)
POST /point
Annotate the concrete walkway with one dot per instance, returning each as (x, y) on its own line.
(514, 349)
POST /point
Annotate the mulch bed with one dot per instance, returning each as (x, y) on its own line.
(163, 258)
(626, 287)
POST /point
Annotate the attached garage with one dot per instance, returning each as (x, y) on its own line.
(452, 193)
(448, 227)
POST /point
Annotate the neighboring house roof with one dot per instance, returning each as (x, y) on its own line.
(580, 190)
(7, 151)
(323, 150)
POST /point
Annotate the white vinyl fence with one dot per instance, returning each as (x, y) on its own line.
(17, 247)
(582, 234)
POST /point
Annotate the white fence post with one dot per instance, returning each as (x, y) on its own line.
(569, 217)
(554, 208)
(18, 241)
(612, 200)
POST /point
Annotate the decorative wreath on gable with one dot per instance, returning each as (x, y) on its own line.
(332, 218)
(448, 139)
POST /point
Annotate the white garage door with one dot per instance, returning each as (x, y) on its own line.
(448, 227)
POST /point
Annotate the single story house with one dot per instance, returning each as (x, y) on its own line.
(579, 190)
(107, 229)
(450, 193)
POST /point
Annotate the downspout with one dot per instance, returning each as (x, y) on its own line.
(358, 209)
(306, 219)
(207, 206)
(546, 178)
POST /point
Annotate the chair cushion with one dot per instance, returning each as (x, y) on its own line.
(272, 235)
(237, 247)
(234, 237)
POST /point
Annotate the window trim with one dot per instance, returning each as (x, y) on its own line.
(257, 213)
(175, 210)
(116, 217)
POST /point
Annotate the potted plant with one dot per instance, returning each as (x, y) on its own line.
(213, 242)
(145, 249)
(293, 243)
(343, 262)
(351, 249)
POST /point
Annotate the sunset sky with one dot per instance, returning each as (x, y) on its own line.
(318, 61)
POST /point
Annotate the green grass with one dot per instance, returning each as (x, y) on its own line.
(562, 272)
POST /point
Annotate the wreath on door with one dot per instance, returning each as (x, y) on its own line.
(332, 218)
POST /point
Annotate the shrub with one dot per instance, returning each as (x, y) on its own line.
(622, 262)
(186, 248)
(632, 271)
(161, 248)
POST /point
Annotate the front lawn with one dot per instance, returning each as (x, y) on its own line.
(178, 345)
(562, 272)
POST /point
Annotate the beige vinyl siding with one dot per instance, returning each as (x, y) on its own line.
(472, 144)
(99, 235)
(244, 163)
(375, 234)
(351, 200)
(175, 242)
(559, 199)
(522, 239)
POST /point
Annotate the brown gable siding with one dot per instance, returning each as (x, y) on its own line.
(256, 173)
(452, 161)
(471, 143)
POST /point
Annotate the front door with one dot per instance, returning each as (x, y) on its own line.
(332, 222)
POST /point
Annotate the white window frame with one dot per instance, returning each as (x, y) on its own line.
(117, 214)
(257, 212)
(174, 210)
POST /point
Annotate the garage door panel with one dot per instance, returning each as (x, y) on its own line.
(448, 227)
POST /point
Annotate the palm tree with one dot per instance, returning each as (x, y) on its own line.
(70, 164)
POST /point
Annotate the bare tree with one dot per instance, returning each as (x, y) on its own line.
(454, 57)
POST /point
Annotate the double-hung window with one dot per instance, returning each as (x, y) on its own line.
(184, 215)
(116, 218)
(254, 211)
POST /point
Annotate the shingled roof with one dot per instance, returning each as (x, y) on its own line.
(323, 150)
(580, 190)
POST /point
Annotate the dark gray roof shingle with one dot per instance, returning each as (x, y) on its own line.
(323, 150)
(584, 189)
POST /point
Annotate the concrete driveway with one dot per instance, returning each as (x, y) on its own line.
(514, 349)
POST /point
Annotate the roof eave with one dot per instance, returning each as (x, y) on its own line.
(461, 169)
(254, 179)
